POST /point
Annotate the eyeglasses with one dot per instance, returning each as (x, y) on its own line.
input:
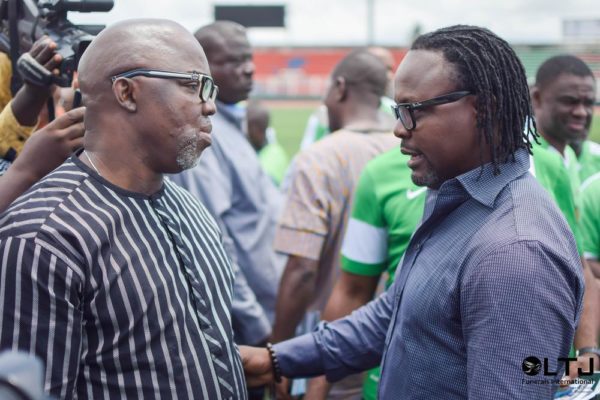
(405, 111)
(208, 89)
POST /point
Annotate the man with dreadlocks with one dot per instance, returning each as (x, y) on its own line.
(491, 277)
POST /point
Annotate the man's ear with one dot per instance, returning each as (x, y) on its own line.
(536, 96)
(341, 89)
(125, 92)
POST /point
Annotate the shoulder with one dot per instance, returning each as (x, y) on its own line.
(31, 211)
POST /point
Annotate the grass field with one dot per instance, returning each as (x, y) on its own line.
(289, 120)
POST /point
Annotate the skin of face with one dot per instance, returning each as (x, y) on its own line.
(233, 69)
(445, 142)
(174, 120)
(564, 107)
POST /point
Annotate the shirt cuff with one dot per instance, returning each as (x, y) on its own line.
(590, 256)
(298, 243)
(300, 357)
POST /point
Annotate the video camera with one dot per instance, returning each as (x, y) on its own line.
(25, 21)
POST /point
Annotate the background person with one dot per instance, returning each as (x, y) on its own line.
(230, 181)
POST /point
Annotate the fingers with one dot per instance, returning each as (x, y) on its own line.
(44, 52)
(72, 117)
(53, 64)
(76, 143)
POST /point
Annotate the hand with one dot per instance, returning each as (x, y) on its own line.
(30, 99)
(50, 146)
(257, 366)
(584, 361)
(44, 52)
(317, 389)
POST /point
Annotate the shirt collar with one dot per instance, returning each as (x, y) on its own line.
(483, 185)
(235, 113)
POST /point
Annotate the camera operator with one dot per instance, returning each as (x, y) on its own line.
(19, 116)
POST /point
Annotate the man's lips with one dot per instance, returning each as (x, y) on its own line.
(415, 156)
(577, 126)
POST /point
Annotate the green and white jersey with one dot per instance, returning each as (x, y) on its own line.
(387, 208)
(553, 175)
(590, 221)
(589, 160)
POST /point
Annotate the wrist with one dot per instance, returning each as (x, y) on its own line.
(588, 350)
(275, 367)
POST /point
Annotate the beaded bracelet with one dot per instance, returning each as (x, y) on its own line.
(274, 363)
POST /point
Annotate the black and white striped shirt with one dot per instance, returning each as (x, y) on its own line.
(122, 295)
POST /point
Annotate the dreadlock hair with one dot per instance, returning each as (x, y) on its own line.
(562, 64)
(488, 67)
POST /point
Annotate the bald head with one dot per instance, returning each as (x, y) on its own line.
(364, 72)
(230, 57)
(126, 45)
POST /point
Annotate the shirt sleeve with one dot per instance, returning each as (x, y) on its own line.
(340, 348)
(590, 221)
(500, 317)
(303, 225)
(364, 250)
(42, 311)
(12, 134)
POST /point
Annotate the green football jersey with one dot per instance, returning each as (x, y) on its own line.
(589, 160)
(571, 208)
(590, 220)
(387, 208)
(274, 161)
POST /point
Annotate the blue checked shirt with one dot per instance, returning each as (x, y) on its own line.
(491, 276)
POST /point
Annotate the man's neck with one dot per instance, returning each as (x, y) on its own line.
(127, 172)
(556, 143)
(362, 119)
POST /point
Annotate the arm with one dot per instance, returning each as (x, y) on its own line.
(42, 311)
(296, 291)
(337, 349)
(349, 293)
(521, 300)
(44, 151)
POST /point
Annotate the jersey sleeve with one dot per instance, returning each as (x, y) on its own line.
(364, 249)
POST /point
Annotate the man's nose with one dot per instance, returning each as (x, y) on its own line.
(580, 110)
(209, 108)
(400, 131)
(248, 67)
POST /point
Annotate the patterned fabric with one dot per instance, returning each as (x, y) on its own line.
(123, 295)
(235, 189)
(318, 203)
(490, 277)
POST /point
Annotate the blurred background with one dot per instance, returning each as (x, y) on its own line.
(297, 42)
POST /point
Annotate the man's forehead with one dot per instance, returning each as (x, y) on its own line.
(573, 83)
(422, 73)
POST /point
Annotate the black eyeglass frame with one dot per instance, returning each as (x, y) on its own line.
(202, 79)
(436, 101)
